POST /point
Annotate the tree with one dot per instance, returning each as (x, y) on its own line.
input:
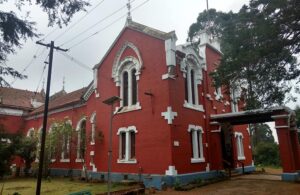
(297, 111)
(8, 147)
(14, 29)
(267, 154)
(259, 44)
(27, 151)
(261, 133)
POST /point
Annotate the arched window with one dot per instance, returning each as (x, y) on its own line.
(196, 143)
(128, 89)
(39, 141)
(193, 76)
(239, 145)
(93, 130)
(134, 87)
(30, 133)
(65, 152)
(127, 144)
(125, 88)
(81, 140)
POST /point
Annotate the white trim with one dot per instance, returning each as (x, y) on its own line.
(125, 109)
(65, 160)
(195, 128)
(193, 106)
(171, 171)
(169, 115)
(280, 116)
(29, 131)
(11, 112)
(79, 160)
(197, 160)
(240, 145)
(124, 161)
(281, 127)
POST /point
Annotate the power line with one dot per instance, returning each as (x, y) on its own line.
(94, 25)
(40, 80)
(70, 27)
(76, 61)
(110, 24)
(34, 57)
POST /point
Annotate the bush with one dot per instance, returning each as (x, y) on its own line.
(267, 154)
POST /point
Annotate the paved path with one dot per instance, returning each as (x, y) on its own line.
(259, 177)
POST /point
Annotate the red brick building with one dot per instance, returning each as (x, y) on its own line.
(162, 127)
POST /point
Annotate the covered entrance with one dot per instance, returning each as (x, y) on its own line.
(285, 124)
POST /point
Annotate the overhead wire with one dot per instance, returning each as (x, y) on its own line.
(107, 26)
(94, 25)
(79, 20)
(42, 74)
(68, 56)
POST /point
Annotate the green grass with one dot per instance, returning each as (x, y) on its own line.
(57, 186)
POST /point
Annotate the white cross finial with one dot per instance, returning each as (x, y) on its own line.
(169, 115)
(129, 11)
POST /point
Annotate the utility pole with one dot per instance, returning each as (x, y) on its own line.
(41, 160)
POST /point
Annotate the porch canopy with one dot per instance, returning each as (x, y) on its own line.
(252, 116)
(285, 124)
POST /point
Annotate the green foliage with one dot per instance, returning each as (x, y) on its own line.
(267, 154)
(259, 44)
(297, 111)
(27, 151)
(261, 133)
(14, 29)
(8, 146)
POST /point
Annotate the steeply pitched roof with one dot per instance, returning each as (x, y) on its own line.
(140, 28)
(19, 98)
(68, 99)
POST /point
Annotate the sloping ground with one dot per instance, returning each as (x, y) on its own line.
(245, 186)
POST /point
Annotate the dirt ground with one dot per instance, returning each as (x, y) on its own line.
(244, 185)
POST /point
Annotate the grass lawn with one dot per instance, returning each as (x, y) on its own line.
(57, 186)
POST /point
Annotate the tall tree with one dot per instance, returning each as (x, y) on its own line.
(259, 44)
(14, 29)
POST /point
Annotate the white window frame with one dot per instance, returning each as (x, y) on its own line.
(234, 100)
(198, 152)
(93, 126)
(128, 65)
(62, 158)
(127, 131)
(50, 130)
(78, 129)
(31, 130)
(38, 145)
(239, 145)
(191, 63)
(218, 93)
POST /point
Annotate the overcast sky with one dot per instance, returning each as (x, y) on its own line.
(165, 15)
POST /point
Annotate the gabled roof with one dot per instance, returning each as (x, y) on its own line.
(19, 98)
(140, 28)
(68, 99)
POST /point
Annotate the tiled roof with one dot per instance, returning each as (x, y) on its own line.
(62, 101)
(19, 98)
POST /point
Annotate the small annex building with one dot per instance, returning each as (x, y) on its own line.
(164, 127)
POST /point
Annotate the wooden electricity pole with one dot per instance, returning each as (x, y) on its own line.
(42, 152)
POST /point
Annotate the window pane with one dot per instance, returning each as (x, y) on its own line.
(123, 143)
(134, 87)
(193, 86)
(186, 89)
(200, 145)
(132, 147)
(125, 89)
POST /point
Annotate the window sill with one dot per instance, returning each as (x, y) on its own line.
(64, 160)
(135, 107)
(193, 107)
(53, 160)
(197, 160)
(79, 160)
(92, 143)
(131, 161)
(241, 158)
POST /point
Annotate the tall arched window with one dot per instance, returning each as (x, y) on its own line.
(193, 77)
(93, 130)
(81, 140)
(134, 87)
(125, 88)
(129, 86)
